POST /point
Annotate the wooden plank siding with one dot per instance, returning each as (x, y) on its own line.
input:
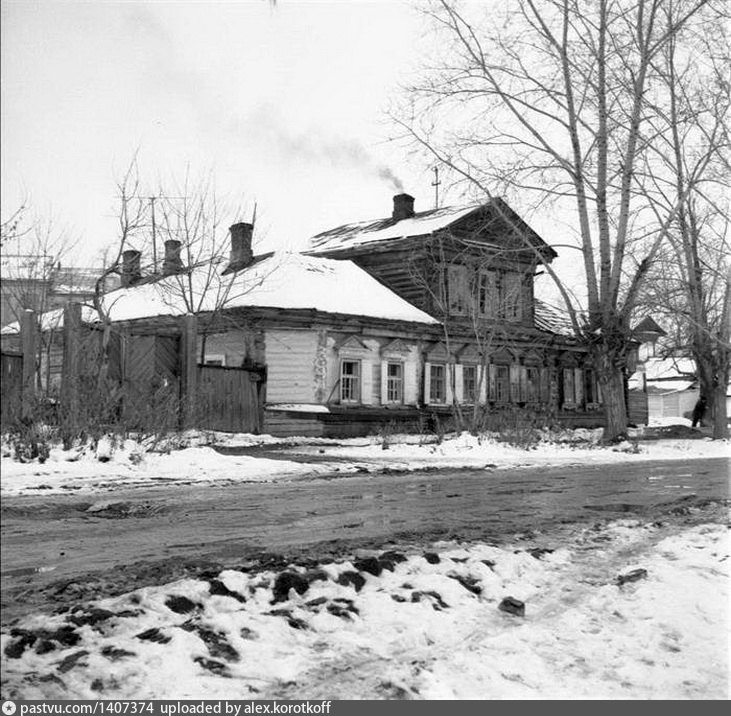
(637, 407)
(229, 399)
(291, 357)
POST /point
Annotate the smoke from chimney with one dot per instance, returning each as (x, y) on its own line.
(316, 147)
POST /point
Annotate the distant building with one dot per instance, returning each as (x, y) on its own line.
(39, 283)
(670, 383)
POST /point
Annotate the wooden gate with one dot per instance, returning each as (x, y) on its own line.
(152, 380)
(230, 399)
(10, 387)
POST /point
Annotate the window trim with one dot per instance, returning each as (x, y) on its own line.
(430, 384)
(505, 399)
(358, 381)
(475, 397)
(401, 385)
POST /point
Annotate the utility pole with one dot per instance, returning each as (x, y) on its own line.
(154, 242)
(436, 184)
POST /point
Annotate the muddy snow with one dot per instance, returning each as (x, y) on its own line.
(626, 610)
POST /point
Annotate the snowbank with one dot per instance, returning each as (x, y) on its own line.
(420, 625)
(131, 464)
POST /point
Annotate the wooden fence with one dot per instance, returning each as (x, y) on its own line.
(141, 380)
(230, 399)
(11, 381)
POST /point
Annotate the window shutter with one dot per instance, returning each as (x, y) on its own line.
(579, 386)
(411, 391)
(459, 382)
(545, 390)
(366, 382)
(514, 383)
(384, 382)
(491, 382)
(448, 378)
(523, 384)
(427, 382)
(482, 383)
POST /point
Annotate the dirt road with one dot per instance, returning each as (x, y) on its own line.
(51, 546)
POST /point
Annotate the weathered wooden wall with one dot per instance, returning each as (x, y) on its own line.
(229, 399)
(637, 407)
(291, 357)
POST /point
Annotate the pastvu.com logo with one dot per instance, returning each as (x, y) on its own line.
(9, 708)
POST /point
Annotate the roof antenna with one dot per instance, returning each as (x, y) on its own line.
(436, 184)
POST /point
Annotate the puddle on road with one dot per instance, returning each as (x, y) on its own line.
(26, 571)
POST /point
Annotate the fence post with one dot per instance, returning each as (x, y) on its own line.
(189, 368)
(29, 342)
(70, 369)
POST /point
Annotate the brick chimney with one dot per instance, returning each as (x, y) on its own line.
(130, 267)
(241, 253)
(172, 262)
(403, 207)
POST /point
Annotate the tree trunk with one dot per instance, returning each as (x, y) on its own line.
(611, 381)
(719, 412)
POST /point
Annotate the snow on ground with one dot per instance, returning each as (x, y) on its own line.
(657, 422)
(130, 464)
(423, 625)
(129, 467)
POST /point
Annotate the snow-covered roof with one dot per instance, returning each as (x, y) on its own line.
(669, 368)
(286, 281)
(364, 233)
(387, 231)
(670, 386)
(551, 319)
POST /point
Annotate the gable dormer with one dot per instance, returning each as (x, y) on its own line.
(472, 262)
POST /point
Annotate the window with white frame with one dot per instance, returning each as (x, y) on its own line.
(502, 383)
(437, 383)
(469, 384)
(394, 382)
(350, 381)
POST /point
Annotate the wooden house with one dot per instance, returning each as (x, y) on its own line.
(393, 321)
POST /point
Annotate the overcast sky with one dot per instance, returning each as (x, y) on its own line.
(284, 105)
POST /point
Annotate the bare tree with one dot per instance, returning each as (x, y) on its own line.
(33, 250)
(197, 269)
(196, 216)
(548, 104)
(688, 167)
